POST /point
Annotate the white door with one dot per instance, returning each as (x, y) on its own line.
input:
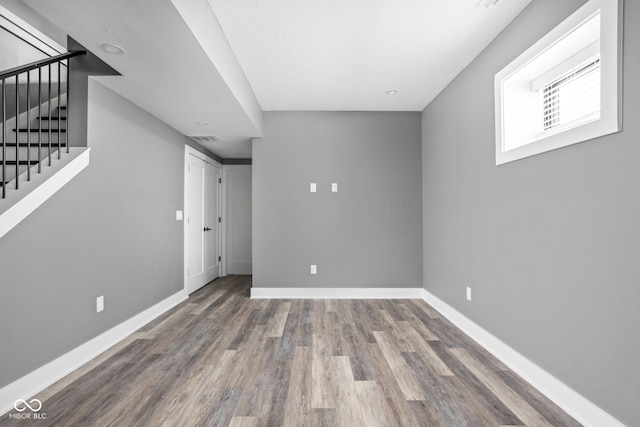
(211, 222)
(202, 229)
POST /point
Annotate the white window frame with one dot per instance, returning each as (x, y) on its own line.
(610, 120)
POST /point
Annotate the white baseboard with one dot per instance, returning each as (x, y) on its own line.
(569, 400)
(336, 293)
(43, 377)
(580, 408)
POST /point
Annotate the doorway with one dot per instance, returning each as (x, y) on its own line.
(202, 220)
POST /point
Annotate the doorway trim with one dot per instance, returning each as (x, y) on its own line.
(190, 151)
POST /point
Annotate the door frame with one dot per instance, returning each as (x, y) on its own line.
(190, 151)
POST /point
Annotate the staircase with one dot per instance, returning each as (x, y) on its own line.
(45, 135)
(38, 133)
(36, 157)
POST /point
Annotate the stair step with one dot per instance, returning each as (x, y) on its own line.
(35, 144)
(22, 162)
(52, 118)
(38, 130)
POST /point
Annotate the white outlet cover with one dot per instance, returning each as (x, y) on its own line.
(99, 304)
(314, 269)
(468, 293)
(312, 187)
(334, 187)
(178, 215)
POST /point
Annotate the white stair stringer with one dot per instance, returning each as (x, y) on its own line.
(18, 204)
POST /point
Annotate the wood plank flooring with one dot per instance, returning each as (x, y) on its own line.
(221, 359)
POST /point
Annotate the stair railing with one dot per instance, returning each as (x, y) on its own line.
(16, 75)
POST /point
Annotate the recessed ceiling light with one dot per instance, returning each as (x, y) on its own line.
(201, 123)
(391, 92)
(112, 49)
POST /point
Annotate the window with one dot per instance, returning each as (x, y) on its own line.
(572, 99)
(563, 90)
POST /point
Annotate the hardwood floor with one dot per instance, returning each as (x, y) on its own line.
(221, 359)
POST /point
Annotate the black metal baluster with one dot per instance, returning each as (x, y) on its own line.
(39, 119)
(4, 139)
(49, 116)
(59, 110)
(68, 103)
(17, 130)
(28, 125)
(62, 128)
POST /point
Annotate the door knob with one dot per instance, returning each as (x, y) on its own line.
(207, 229)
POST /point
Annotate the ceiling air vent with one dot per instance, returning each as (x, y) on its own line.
(488, 3)
(206, 139)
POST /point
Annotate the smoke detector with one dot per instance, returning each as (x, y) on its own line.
(206, 139)
(488, 3)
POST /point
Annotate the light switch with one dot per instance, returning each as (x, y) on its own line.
(178, 215)
(99, 304)
(314, 269)
(312, 187)
(334, 187)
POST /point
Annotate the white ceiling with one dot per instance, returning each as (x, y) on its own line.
(345, 54)
(210, 67)
(193, 84)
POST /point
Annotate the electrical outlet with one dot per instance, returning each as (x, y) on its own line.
(468, 293)
(314, 269)
(178, 215)
(334, 187)
(312, 187)
(99, 304)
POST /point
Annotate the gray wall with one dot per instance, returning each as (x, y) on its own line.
(549, 244)
(365, 235)
(237, 218)
(17, 52)
(111, 231)
(80, 68)
(19, 8)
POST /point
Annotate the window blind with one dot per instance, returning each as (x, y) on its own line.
(572, 99)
